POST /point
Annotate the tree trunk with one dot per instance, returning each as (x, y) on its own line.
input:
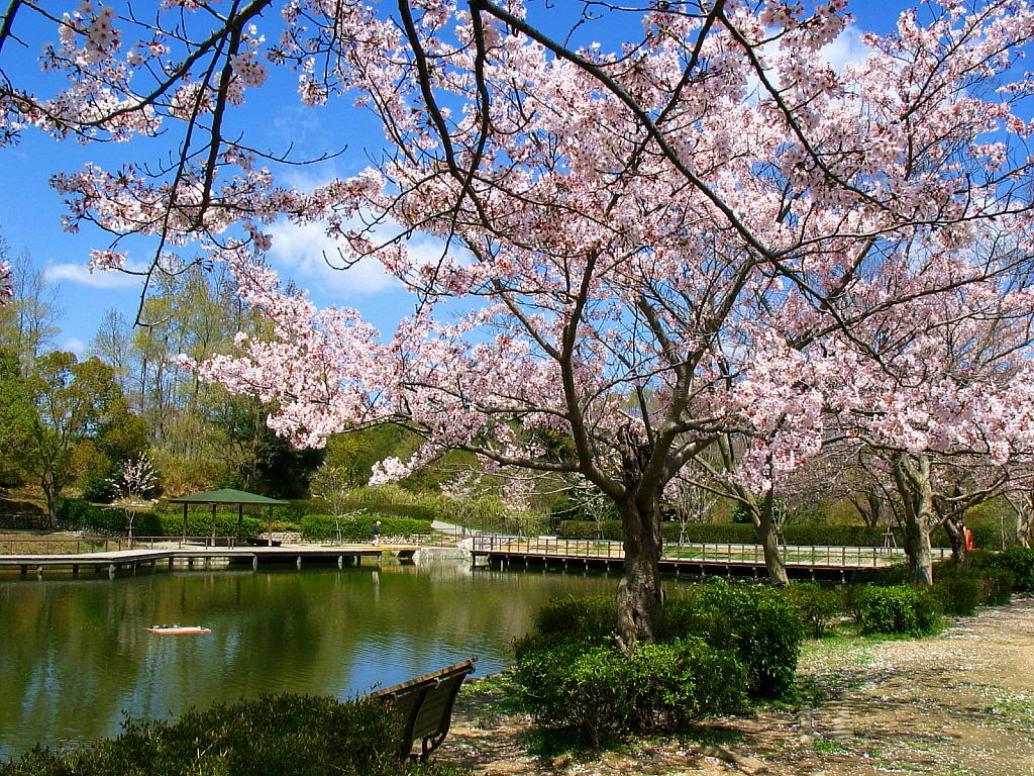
(768, 535)
(916, 490)
(957, 534)
(640, 595)
(773, 558)
(1025, 522)
(51, 497)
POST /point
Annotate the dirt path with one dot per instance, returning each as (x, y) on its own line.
(958, 704)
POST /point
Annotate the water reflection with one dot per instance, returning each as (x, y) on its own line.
(74, 655)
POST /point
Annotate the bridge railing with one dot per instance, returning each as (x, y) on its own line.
(840, 556)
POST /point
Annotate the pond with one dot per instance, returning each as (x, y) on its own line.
(74, 655)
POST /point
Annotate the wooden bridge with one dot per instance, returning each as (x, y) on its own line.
(130, 559)
(829, 562)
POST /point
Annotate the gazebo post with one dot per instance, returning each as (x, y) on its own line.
(213, 523)
(186, 506)
(240, 519)
(269, 527)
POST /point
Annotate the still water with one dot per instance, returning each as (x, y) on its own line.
(74, 655)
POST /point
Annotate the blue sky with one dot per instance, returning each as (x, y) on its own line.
(30, 210)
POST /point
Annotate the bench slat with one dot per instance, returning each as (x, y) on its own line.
(425, 704)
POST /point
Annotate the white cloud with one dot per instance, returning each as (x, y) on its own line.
(74, 345)
(308, 256)
(81, 274)
(846, 49)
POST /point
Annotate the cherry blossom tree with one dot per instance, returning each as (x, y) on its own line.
(132, 485)
(6, 283)
(945, 399)
(683, 236)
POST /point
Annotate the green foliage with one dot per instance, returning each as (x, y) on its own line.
(819, 605)
(359, 528)
(600, 691)
(897, 609)
(1016, 560)
(761, 627)
(963, 588)
(758, 622)
(741, 514)
(16, 418)
(959, 594)
(78, 514)
(289, 735)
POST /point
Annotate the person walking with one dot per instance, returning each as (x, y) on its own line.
(377, 532)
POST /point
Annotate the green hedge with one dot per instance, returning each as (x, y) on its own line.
(81, 515)
(359, 528)
(287, 735)
(1016, 560)
(600, 691)
(962, 589)
(738, 533)
(757, 622)
(897, 609)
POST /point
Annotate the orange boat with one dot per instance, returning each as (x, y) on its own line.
(178, 630)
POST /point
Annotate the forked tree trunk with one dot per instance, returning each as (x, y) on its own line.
(640, 596)
(916, 490)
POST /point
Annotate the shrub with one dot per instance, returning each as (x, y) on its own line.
(981, 585)
(584, 618)
(997, 586)
(819, 605)
(897, 609)
(1016, 560)
(600, 691)
(199, 523)
(959, 594)
(81, 515)
(359, 528)
(756, 621)
(290, 735)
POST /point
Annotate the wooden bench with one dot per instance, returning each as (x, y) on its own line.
(426, 707)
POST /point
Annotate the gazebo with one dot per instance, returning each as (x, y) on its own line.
(226, 497)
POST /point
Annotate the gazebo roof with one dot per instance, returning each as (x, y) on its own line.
(227, 496)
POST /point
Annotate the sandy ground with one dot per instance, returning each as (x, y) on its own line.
(958, 703)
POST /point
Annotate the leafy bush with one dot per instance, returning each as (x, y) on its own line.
(996, 586)
(819, 605)
(81, 515)
(359, 528)
(959, 594)
(289, 735)
(199, 523)
(600, 691)
(897, 609)
(964, 588)
(1016, 560)
(756, 622)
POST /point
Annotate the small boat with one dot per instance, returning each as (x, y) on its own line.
(178, 630)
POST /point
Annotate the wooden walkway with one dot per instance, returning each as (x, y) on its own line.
(827, 562)
(134, 559)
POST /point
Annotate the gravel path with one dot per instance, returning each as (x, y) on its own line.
(957, 704)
